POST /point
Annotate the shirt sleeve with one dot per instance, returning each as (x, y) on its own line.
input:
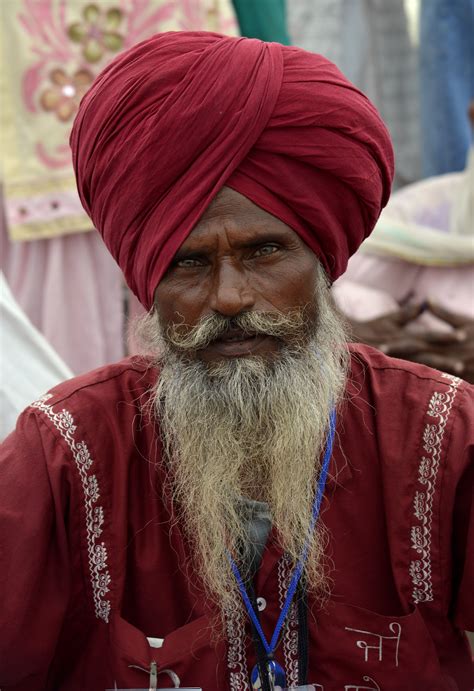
(463, 530)
(34, 564)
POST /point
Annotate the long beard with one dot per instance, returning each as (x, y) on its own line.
(249, 427)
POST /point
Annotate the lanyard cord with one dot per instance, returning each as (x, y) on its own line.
(302, 640)
(260, 651)
(298, 570)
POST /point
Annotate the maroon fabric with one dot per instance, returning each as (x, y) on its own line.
(174, 119)
(92, 562)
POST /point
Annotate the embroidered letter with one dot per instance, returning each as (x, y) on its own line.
(378, 640)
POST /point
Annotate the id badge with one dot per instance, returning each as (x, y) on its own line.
(277, 679)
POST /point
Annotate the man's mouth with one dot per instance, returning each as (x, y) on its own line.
(239, 343)
(234, 335)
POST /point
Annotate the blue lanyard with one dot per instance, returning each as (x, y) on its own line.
(298, 570)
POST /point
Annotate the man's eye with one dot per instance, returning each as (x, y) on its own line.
(266, 250)
(188, 263)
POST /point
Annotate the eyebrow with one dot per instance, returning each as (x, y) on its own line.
(263, 238)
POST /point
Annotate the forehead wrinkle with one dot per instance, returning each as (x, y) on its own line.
(245, 229)
(233, 213)
(229, 202)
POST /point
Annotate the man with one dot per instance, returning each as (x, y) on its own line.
(254, 504)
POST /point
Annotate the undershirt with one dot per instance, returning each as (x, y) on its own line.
(259, 522)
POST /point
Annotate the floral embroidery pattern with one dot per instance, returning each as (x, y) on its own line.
(64, 96)
(236, 663)
(290, 635)
(420, 569)
(235, 627)
(97, 551)
(98, 32)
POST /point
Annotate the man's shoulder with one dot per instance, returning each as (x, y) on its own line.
(101, 417)
(370, 362)
(119, 380)
(403, 392)
(105, 400)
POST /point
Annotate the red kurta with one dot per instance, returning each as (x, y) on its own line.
(91, 567)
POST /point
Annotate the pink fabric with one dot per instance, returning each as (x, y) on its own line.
(429, 202)
(174, 119)
(362, 303)
(71, 289)
(452, 288)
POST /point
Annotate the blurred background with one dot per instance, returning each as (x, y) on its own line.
(409, 290)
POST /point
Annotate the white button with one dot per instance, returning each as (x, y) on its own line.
(155, 642)
(261, 603)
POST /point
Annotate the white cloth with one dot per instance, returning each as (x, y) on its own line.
(29, 364)
(462, 217)
(430, 223)
(424, 252)
(419, 244)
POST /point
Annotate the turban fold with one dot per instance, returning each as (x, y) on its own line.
(172, 120)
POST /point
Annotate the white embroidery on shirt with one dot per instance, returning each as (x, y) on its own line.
(235, 627)
(356, 687)
(290, 635)
(394, 627)
(420, 569)
(97, 552)
(236, 661)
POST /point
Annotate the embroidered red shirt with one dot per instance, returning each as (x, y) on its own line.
(91, 566)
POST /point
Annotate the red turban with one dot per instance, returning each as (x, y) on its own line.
(172, 120)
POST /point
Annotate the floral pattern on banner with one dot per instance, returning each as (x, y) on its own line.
(97, 33)
(72, 41)
(64, 95)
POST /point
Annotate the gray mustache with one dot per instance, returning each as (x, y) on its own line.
(276, 324)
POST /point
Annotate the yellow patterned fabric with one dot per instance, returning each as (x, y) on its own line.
(50, 52)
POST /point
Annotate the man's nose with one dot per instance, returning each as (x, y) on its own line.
(231, 292)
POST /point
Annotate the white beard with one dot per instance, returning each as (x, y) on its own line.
(249, 427)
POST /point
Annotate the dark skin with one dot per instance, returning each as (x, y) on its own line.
(451, 352)
(387, 329)
(238, 258)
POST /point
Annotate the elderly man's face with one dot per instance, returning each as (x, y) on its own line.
(239, 258)
(252, 361)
